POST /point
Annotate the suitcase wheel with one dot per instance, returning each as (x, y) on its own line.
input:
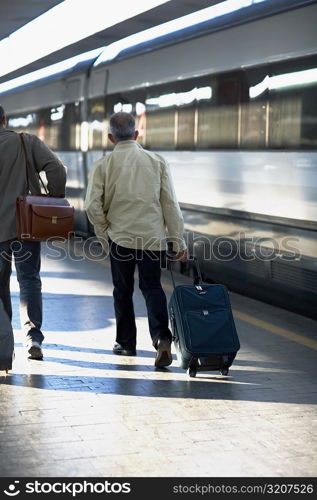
(224, 371)
(193, 367)
(191, 371)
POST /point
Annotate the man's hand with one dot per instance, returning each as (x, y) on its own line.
(182, 256)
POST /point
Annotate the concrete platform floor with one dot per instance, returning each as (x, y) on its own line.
(84, 411)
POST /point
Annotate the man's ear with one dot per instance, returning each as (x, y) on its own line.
(111, 138)
(136, 134)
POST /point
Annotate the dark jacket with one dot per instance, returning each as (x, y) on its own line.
(13, 175)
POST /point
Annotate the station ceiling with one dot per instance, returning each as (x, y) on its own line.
(15, 13)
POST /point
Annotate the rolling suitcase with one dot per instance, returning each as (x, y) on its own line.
(204, 333)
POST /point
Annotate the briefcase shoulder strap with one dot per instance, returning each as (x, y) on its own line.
(28, 166)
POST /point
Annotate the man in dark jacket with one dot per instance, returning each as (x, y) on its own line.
(13, 183)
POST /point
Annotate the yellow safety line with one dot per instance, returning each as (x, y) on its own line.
(265, 325)
(277, 330)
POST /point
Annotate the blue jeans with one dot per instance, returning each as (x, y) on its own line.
(27, 258)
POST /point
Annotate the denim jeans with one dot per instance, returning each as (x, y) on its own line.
(123, 264)
(27, 258)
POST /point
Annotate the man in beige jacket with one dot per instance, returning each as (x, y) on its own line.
(131, 202)
(13, 183)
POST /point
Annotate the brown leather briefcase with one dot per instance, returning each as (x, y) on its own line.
(42, 217)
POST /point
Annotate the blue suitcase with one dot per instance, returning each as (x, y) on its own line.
(204, 333)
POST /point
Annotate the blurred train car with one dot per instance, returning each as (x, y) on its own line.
(232, 104)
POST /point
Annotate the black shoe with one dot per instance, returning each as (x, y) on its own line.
(118, 349)
(164, 355)
(34, 350)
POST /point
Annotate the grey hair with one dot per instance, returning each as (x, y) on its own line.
(2, 113)
(122, 125)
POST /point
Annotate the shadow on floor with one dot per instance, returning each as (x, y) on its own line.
(213, 387)
(108, 366)
(68, 312)
(92, 350)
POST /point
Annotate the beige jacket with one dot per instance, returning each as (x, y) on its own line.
(13, 175)
(131, 199)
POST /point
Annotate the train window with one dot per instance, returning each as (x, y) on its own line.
(186, 117)
(217, 119)
(71, 127)
(309, 117)
(186, 126)
(98, 125)
(206, 124)
(254, 125)
(217, 126)
(285, 121)
(226, 89)
(50, 126)
(253, 110)
(293, 108)
(160, 129)
(45, 123)
(287, 92)
(167, 100)
(171, 113)
(28, 122)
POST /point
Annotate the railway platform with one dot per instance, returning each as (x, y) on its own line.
(84, 411)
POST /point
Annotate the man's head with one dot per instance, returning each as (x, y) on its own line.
(3, 119)
(122, 127)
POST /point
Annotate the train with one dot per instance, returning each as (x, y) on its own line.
(231, 103)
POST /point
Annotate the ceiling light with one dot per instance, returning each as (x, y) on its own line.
(63, 25)
(220, 9)
(48, 71)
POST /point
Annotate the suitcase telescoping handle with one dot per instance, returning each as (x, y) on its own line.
(197, 277)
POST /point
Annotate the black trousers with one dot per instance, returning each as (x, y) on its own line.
(123, 264)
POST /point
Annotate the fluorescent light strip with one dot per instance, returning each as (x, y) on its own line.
(220, 9)
(63, 25)
(112, 50)
(23, 121)
(49, 70)
(284, 81)
(180, 98)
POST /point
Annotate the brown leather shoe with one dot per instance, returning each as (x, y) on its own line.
(164, 355)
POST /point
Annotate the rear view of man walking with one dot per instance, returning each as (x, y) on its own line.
(26, 253)
(131, 202)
